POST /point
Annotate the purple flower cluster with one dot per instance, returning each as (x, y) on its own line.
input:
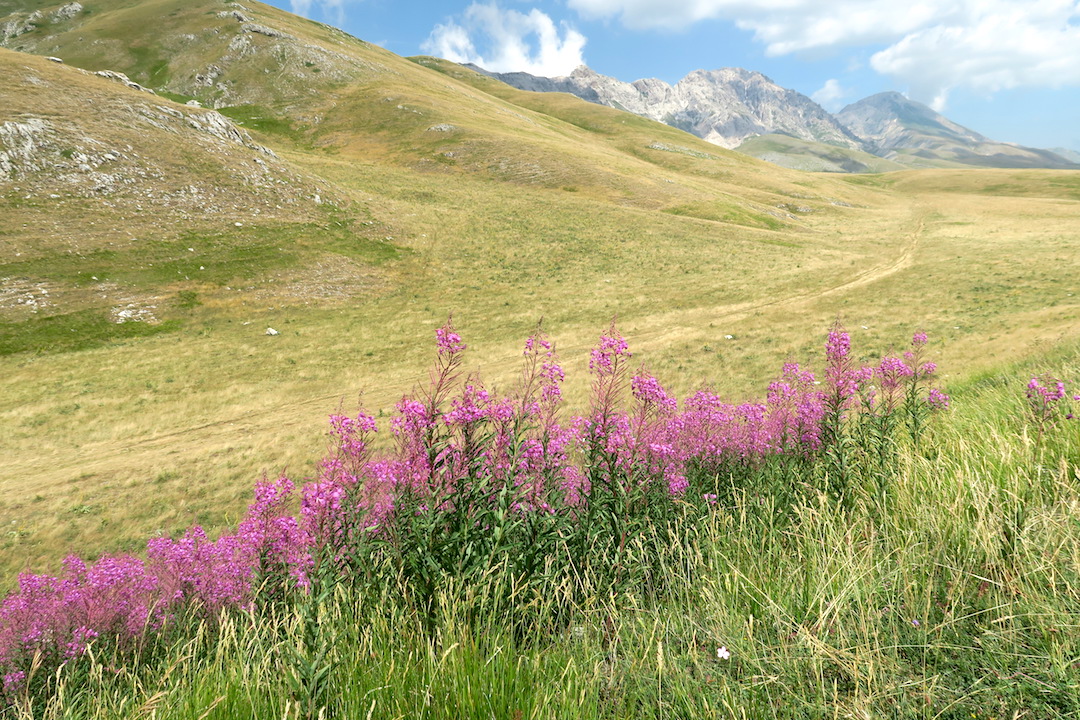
(652, 396)
(713, 433)
(1046, 399)
(899, 377)
(446, 434)
(122, 598)
(937, 399)
(843, 377)
(447, 341)
(605, 356)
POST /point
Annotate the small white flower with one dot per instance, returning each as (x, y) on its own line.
(722, 653)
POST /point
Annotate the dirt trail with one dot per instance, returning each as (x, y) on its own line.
(203, 439)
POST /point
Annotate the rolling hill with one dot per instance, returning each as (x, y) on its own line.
(811, 156)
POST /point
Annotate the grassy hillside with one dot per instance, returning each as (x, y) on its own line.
(440, 191)
(799, 154)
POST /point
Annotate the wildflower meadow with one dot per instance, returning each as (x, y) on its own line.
(854, 543)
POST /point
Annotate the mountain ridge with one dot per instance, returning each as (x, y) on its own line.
(894, 125)
(724, 106)
(732, 106)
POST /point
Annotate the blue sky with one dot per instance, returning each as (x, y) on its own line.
(1009, 69)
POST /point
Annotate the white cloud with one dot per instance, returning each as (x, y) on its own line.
(1013, 46)
(831, 95)
(784, 25)
(932, 46)
(508, 41)
(332, 10)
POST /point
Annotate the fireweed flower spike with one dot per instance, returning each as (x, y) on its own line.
(1047, 400)
(608, 364)
(937, 399)
(605, 356)
(447, 340)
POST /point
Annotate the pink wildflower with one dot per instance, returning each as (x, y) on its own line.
(607, 352)
(448, 341)
(937, 399)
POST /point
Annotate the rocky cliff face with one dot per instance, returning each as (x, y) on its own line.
(732, 104)
(724, 106)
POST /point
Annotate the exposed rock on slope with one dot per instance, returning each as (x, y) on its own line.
(223, 58)
(132, 148)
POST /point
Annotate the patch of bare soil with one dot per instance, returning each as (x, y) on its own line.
(331, 278)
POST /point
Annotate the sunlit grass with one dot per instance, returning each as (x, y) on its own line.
(918, 607)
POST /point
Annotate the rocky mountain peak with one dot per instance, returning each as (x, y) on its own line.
(897, 127)
(584, 72)
(724, 106)
(729, 106)
(889, 120)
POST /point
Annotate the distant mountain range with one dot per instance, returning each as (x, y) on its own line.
(745, 110)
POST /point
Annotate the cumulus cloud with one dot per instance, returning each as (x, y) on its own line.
(831, 95)
(508, 41)
(932, 46)
(1006, 46)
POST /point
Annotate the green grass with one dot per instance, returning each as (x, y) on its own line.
(150, 66)
(722, 212)
(216, 259)
(264, 120)
(72, 332)
(915, 606)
